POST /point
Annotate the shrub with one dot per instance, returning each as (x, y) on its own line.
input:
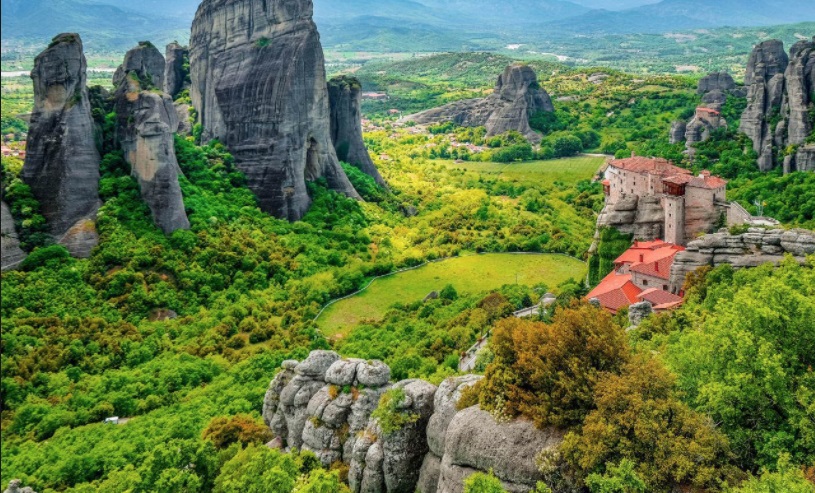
(390, 415)
(224, 431)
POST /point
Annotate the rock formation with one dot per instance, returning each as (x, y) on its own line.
(14, 486)
(12, 254)
(324, 404)
(517, 96)
(756, 247)
(777, 117)
(714, 89)
(639, 312)
(62, 162)
(642, 217)
(259, 85)
(175, 72)
(345, 94)
(147, 121)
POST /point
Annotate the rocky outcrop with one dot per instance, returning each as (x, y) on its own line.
(639, 312)
(142, 60)
(756, 247)
(176, 69)
(325, 403)
(62, 161)
(804, 160)
(12, 254)
(259, 85)
(476, 442)
(147, 122)
(15, 486)
(517, 96)
(678, 129)
(642, 217)
(345, 95)
(716, 81)
(778, 114)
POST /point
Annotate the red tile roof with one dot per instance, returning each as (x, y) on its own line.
(707, 110)
(615, 291)
(658, 297)
(654, 166)
(705, 180)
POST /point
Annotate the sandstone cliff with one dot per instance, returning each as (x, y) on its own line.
(780, 88)
(62, 162)
(12, 254)
(345, 94)
(259, 85)
(517, 96)
(146, 123)
(324, 404)
(756, 247)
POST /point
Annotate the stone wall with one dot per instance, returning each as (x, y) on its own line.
(324, 404)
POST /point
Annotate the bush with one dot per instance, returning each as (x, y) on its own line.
(389, 414)
(567, 145)
(49, 255)
(242, 428)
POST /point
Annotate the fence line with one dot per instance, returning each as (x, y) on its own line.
(428, 262)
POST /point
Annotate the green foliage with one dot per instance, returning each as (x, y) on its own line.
(567, 145)
(448, 293)
(483, 483)
(390, 413)
(618, 479)
(611, 245)
(258, 469)
(28, 219)
(785, 479)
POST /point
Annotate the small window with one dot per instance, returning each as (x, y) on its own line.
(644, 282)
(664, 287)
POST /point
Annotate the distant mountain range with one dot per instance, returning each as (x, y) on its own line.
(402, 25)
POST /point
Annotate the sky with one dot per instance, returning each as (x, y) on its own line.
(613, 4)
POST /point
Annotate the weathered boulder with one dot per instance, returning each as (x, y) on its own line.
(476, 442)
(678, 129)
(15, 486)
(176, 70)
(62, 161)
(259, 85)
(12, 254)
(639, 312)
(642, 217)
(142, 60)
(716, 81)
(345, 95)
(516, 97)
(147, 122)
(182, 111)
(393, 459)
(756, 247)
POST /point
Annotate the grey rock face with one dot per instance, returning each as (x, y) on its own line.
(800, 84)
(756, 247)
(143, 61)
(642, 217)
(764, 80)
(175, 73)
(12, 254)
(345, 95)
(182, 112)
(517, 95)
(639, 312)
(147, 121)
(476, 442)
(678, 129)
(62, 162)
(721, 81)
(15, 486)
(259, 85)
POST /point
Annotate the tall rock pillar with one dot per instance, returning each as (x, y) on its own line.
(62, 162)
(259, 85)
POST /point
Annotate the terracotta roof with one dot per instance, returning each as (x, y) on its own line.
(654, 166)
(705, 180)
(615, 291)
(658, 297)
(707, 110)
(667, 306)
(648, 251)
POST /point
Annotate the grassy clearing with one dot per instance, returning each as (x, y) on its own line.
(569, 170)
(474, 273)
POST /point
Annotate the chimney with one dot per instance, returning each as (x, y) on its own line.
(656, 266)
(642, 258)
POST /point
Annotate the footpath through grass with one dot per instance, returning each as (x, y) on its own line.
(473, 274)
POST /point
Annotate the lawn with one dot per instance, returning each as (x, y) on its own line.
(569, 170)
(473, 273)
